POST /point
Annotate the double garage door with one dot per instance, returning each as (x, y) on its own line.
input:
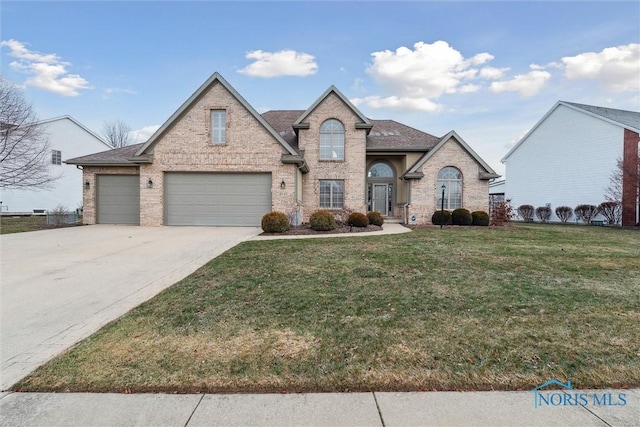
(216, 199)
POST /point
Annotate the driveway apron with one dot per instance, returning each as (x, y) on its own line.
(59, 286)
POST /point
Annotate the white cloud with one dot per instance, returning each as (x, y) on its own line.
(47, 71)
(427, 70)
(617, 68)
(398, 103)
(142, 135)
(112, 90)
(492, 73)
(282, 63)
(529, 84)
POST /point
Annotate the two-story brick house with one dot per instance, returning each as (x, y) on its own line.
(217, 161)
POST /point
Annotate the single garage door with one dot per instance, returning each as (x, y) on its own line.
(217, 199)
(118, 199)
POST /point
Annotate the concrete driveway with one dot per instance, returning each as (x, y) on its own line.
(59, 286)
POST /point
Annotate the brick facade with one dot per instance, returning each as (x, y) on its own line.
(89, 174)
(630, 178)
(351, 169)
(424, 192)
(185, 146)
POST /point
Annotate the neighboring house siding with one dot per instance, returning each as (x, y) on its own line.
(424, 192)
(90, 172)
(351, 170)
(566, 161)
(186, 147)
(71, 140)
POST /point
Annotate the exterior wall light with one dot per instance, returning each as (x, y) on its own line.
(87, 185)
(283, 185)
(149, 183)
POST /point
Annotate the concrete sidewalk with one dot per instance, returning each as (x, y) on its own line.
(329, 409)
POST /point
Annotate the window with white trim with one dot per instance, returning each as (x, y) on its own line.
(56, 157)
(218, 126)
(451, 178)
(331, 194)
(332, 140)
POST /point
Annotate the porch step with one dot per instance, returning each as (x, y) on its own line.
(393, 220)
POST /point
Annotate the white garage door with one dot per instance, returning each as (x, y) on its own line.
(216, 199)
(118, 199)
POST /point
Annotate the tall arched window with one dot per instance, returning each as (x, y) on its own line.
(332, 140)
(451, 178)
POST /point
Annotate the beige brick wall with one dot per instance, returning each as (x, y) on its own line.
(89, 196)
(424, 194)
(186, 147)
(351, 170)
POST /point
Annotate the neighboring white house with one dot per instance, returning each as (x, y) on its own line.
(567, 158)
(67, 138)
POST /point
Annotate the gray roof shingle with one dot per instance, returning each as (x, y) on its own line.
(117, 156)
(624, 117)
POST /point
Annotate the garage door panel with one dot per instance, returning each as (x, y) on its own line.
(118, 199)
(217, 199)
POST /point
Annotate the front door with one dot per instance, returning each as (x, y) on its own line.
(381, 198)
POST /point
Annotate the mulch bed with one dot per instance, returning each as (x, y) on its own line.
(305, 229)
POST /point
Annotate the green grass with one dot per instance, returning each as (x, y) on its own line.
(452, 309)
(22, 224)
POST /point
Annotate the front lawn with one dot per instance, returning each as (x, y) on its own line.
(459, 308)
(21, 224)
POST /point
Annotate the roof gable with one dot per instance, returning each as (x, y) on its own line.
(365, 123)
(623, 118)
(215, 78)
(488, 172)
(77, 123)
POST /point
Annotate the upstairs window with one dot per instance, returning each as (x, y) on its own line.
(332, 140)
(218, 126)
(451, 178)
(56, 157)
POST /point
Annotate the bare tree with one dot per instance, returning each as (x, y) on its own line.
(612, 211)
(25, 154)
(117, 134)
(564, 213)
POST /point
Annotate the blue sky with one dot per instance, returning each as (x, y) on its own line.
(488, 70)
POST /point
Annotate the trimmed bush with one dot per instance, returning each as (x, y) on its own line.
(275, 222)
(480, 218)
(543, 213)
(501, 213)
(322, 220)
(564, 213)
(612, 211)
(375, 218)
(357, 219)
(585, 213)
(446, 217)
(526, 212)
(461, 217)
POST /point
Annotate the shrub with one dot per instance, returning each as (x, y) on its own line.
(375, 218)
(543, 213)
(275, 222)
(480, 218)
(357, 219)
(564, 213)
(446, 217)
(585, 213)
(342, 216)
(526, 212)
(501, 213)
(322, 220)
(461, 217)
(612, 211)
(59, 215)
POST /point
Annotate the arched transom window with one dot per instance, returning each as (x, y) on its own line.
(451, 178)
(332, 140)
(380, 170)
